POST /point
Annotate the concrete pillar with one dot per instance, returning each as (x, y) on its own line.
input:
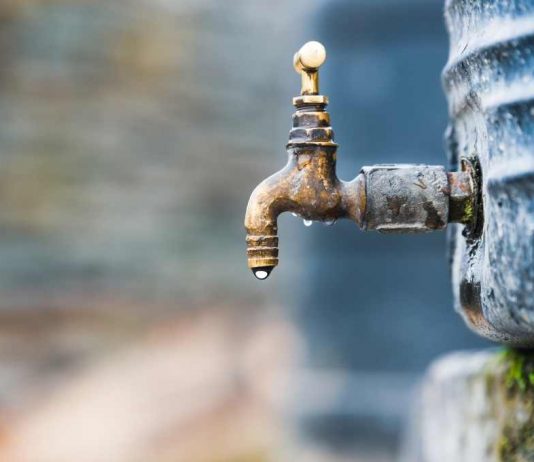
(475, 407)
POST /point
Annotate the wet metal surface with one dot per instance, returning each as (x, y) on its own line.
(406, 198)
(388, 198)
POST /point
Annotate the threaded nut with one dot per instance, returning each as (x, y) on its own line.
(262, 251)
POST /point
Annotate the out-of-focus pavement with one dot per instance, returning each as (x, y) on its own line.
(200, 388)
(207, 387)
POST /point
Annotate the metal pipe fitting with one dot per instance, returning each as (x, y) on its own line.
(387, 198)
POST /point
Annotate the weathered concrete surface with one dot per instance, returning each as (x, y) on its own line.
(476, 407)
(490, 90)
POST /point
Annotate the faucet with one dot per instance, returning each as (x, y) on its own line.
(390, 198)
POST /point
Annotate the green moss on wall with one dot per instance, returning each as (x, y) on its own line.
(513, 389)
(518, 370)
(517, 444)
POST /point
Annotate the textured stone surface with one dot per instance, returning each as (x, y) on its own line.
(476, 407)
(490, 88)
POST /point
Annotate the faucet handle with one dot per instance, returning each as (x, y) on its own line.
(307, 61)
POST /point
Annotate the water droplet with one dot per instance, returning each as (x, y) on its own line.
(307, 222)
(294, 214)
(329, 222)
(262, 272)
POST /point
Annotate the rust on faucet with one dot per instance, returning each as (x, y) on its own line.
(387, 198)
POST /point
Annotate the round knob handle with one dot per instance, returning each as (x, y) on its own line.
(307, 62)
(310, 57)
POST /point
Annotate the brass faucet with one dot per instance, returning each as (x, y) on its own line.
(387, 198)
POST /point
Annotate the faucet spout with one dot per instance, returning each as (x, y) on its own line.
(268, 200)
(308, 187)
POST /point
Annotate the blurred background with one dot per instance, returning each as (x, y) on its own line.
(131, 135)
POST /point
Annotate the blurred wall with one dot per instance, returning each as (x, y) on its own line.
(132, 134)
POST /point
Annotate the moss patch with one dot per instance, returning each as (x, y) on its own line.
(518, 370)
(517, 444)
(514, 371)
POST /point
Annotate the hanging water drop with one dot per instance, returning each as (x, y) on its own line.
(329, 222)
(262, 272)
(307, 222)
